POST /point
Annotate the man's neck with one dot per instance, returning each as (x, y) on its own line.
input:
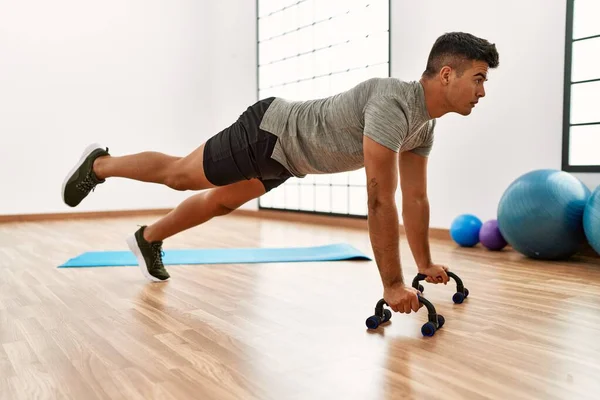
(436, 106)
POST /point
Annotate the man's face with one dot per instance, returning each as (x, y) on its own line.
(465, 91)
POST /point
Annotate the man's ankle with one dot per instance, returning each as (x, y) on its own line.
(98, 167)
(148, 235)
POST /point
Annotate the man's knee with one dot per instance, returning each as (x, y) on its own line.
(183, 175)
(224, 209)
(178, 180)
(229, 198)
(222, 203)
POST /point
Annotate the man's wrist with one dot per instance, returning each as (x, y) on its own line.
(424, 266)
(389, 283)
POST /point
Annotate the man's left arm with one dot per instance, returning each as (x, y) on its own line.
(415, 213)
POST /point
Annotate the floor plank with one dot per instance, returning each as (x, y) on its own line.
(285, 330)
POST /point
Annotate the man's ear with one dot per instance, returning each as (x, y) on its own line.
(445, 74)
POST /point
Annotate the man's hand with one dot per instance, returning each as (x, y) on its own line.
(435, 273)
(401, 298)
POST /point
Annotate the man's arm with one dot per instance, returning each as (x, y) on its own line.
(415, 206)
(381, 166)
(415, 213)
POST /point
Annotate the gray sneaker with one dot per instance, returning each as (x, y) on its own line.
(149, 256)
(81, 180)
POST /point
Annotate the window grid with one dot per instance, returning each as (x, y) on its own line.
(282, 9)
(586, 38)
(304, 27)
(344, 11)
(324, 75)
(315, 50)
(342, 194)
(585, 81)
(581, 118)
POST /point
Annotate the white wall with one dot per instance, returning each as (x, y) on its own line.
(231, 30)
(521, 115)
(158, 75)
(134, 75)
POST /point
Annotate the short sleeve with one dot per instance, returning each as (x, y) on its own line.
(385, 122)
(424, 149)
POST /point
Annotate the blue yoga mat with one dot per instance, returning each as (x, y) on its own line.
(334, 252)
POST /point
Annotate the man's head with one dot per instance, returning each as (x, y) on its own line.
(458, 65)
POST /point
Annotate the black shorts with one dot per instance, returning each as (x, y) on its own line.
(243, 151)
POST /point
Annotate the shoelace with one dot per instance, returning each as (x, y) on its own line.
(157, 254)
(87, 185)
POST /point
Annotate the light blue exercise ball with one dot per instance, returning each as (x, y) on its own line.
(465, 230)
(541, 214)
(591, 220)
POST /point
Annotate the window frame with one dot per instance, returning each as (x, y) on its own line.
(315, 212)
(568, 83)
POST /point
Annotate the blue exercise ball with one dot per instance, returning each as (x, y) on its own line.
(465, 230)
(591, 220)
(541, 214)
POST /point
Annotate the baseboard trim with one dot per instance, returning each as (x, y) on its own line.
(79, 215)
(279, 215)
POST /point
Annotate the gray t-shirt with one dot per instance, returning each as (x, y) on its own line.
(326, 135)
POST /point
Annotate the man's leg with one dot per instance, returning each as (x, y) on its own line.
(228, 163)
(146, 243)
(96, 165)
(180, 173)
(202, 207)
(231, 157)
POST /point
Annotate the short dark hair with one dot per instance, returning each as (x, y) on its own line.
(454, 48)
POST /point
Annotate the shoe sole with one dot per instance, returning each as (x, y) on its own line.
(88, 150)
(132, 243)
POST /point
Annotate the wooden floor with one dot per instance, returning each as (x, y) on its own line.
(529, 330)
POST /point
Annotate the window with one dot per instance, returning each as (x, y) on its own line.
(310, 49)
(581, 130)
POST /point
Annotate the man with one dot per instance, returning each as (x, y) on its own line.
(383, 124)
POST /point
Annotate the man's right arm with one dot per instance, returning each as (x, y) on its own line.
(381, 166)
